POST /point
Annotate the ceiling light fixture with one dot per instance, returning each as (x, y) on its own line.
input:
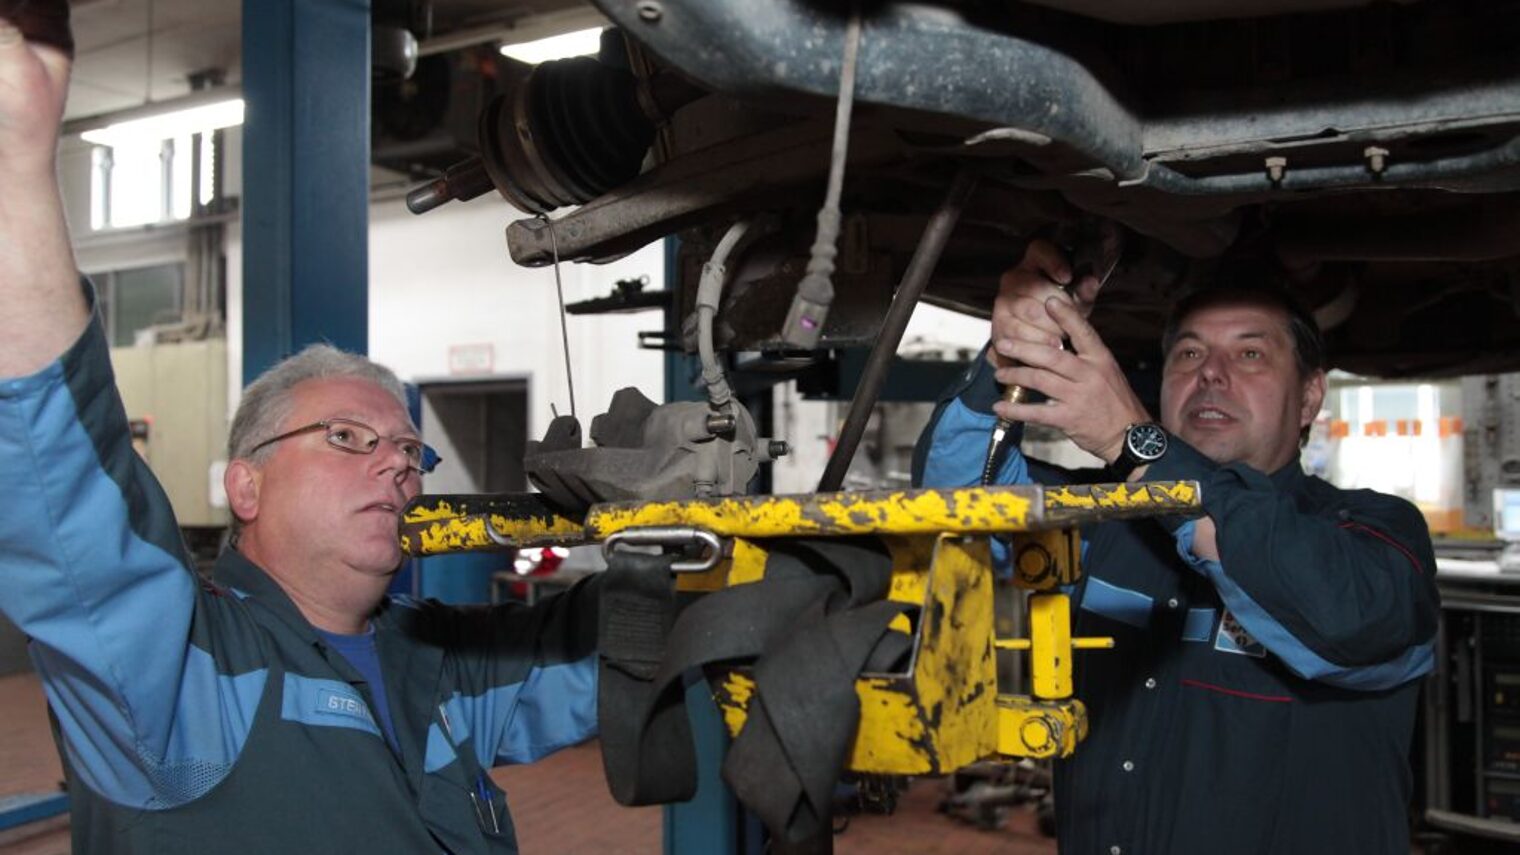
(578, 43)
(197, 113)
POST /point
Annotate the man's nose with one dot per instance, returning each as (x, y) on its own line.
(390, 458)
(1214, 370)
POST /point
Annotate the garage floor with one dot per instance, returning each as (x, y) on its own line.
(560, 805)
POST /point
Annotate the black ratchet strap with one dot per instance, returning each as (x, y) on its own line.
(815, 622)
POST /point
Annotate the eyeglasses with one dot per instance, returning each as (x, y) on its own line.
(359, 438)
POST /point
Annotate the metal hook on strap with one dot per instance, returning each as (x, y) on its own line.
(670, 536)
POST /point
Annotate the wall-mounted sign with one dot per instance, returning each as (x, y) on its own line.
(472, 358)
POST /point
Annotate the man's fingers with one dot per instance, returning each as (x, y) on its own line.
(1019, 311)
(1049, 383)
(1036, 335)
(1043, 256)
(1086, 293)
(1004, 340)
(57, 64)
(9, 35)
(42, 22)
(1033, 311)
(1084, 339)
(1022, 283)
(1048, 414)
(1023, 320)
(1062, 362)
(17, 41)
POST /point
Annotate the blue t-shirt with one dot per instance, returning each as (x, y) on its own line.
(360, 652)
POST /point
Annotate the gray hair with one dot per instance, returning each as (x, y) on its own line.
(267, 402)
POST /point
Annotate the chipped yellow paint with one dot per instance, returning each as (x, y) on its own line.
(888, 710)
(910, 557)
(734, 691)
(965, 510)
(423, 512)
(881, 699)
(1150, 496)
(943, 714)
(1050, 655)
(1051, 646)
(954, 679)
(441, 527)
(538, 530)
(745, 564)
(748, 562)
(1046, 560)
(946, 712)
(705, 582)
(1039, 729)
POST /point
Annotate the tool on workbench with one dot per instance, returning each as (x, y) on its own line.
(1095, 252)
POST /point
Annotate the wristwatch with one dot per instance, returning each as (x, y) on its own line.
(1144, 443)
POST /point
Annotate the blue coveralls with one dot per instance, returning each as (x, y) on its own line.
(207, 716)
(1262, 703)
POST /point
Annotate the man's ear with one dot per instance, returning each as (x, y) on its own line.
(1314, 398)
(243, 482)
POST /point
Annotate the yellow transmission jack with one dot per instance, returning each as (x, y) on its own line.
(945, 711)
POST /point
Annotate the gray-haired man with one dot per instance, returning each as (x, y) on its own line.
(288, 705)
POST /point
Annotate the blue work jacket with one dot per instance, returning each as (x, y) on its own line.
(207, 716)
(1261, 703)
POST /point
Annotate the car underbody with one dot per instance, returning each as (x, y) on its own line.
(1366, 154)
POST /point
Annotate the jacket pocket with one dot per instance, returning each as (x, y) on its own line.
(467, 816)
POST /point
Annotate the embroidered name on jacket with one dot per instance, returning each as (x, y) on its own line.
(330, 702)
(1233, 638)
(326, 703)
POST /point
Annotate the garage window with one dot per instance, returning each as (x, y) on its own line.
(133, 299)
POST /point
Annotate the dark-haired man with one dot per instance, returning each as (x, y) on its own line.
(1263, 691)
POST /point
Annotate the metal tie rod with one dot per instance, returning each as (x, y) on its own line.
(915, 279)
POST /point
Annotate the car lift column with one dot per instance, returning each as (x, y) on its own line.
(713, 822)
(306, 81)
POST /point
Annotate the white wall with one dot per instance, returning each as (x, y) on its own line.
(445, 279)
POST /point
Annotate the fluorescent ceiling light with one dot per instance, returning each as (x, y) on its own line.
(178, 123)
(578, 43)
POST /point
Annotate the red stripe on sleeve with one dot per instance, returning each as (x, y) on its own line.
(1388, 540)
(1276, 699)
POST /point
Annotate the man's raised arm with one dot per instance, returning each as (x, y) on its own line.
(44, 310)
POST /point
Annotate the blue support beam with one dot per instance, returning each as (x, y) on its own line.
(306, 139)
(712, 822)
(31, 807)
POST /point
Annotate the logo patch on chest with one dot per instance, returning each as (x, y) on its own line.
(1233, 638)
(330, 702)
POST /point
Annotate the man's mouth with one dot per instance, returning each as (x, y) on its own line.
(382, 507)
(1209, 416)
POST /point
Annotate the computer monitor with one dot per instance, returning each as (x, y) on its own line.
(1507, 514)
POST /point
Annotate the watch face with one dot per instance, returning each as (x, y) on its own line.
(1146, 442)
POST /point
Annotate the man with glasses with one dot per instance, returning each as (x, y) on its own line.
(287, 704)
